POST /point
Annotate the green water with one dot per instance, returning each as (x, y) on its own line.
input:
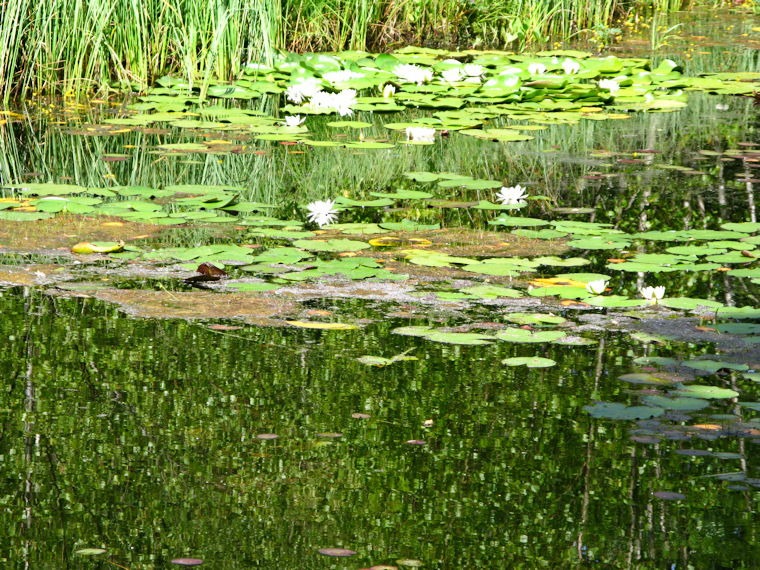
(140, 436)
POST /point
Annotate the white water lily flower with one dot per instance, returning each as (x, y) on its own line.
(424, 134)
(293, 121)
(341, 102)
(721, 107)
(653, 294)
(299, 92)
(596, 287)
(474, 70)
(648, 97)
(452, 75)
(322, 212)
(411, 73)
(609, 84)
(511, 195)
(536, 69)
(388, 90)
(570, 67)
(344, 101)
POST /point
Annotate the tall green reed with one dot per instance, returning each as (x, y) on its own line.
(78, 45)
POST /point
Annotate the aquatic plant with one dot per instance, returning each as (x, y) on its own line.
(322, 212)
(597, 287)
(294, 121)
(511, 195)
(653, 294)
(425, 134)
(412, 73)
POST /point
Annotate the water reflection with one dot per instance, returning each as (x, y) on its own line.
(140, 436)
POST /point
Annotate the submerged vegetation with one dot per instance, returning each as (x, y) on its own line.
(64, 45)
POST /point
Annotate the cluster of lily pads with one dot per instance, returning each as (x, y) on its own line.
(670, 401)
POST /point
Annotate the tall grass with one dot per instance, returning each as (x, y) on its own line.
(61, 45)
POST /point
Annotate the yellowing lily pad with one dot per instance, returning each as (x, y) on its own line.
(324, 326)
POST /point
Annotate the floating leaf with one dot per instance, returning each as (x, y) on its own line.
(682, 404)
(713, 366)
(707, 392)
(529, 361)
(90, 551)
(318, 325)
(615, 411)
(340, 552)
(523, 335)
(458, 338)
(97, 247)
(669, 495)
(331, 245)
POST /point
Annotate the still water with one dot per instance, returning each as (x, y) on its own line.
(257, 446)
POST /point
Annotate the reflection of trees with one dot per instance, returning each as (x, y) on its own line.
(147, 445)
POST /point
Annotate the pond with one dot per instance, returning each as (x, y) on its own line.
(441, 378)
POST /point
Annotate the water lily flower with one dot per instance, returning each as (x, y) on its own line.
(341, 101)
(609, 84)
(322, 212)
(452, 75)
(412, 73)
(596, 287)
(511, 194)
(423, 134)
(293, 121)
(299, 92)
(388, 90)
(536, 69)
(342, 75)
(570, 67)
(653, 294)
(474, 70)
(721, 107)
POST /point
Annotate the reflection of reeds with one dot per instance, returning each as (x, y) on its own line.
(77, 44)
(553, 164)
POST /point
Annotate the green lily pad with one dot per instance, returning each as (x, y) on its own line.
(252, 287)
(331, 245)
(528, 336)
(459, 338)
(706, 392)
(529, 361)
(615, 411)
(713, 366)
(681, 404)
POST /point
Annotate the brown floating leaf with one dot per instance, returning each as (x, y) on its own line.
(330, 434)
(415, 442)
(224, 328)
(187, 561)
(211, 269)
(360, 416)
(267, 436)
(207, 272)
(747, 254)
(336, 552)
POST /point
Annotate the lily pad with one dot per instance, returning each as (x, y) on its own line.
(615, 411)
(529, 361)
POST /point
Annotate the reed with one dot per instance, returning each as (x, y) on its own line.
(62, 45)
